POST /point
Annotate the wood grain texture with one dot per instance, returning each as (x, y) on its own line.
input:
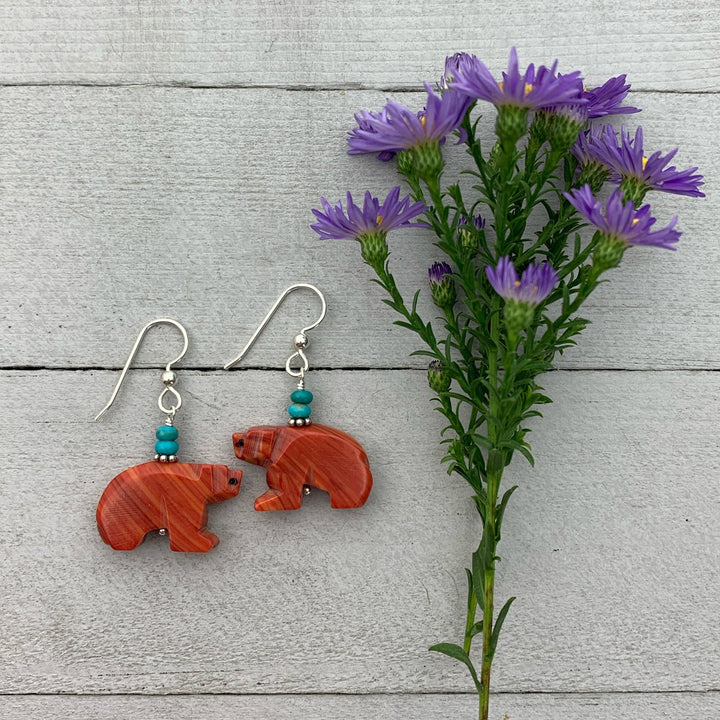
(663, 45)
(648, 706)
(111, 198)
(610, 545)
(298, 457)
(171, 497)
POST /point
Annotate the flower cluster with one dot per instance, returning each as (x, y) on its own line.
(509, 299)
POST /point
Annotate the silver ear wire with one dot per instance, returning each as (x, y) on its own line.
(300, 340)
(169, 377)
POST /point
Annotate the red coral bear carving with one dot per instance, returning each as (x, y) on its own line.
(315, 455)
(156, 495)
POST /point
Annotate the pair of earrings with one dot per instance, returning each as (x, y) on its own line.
(172, 497)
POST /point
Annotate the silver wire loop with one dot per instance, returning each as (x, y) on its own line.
(168, 367)
(300, 372)
(170, 412)
(269, 316)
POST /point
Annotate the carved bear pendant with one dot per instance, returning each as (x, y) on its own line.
(164, 496)
(314, 455)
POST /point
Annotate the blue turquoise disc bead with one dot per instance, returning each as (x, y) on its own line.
(304, 397)
(166, 447)
(166, 432)
(297, 410)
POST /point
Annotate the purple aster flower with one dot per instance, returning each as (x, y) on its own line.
(530, 90)
(437, 272)
(478, 222)
(535, 284)
(606, 99)
(452, 63)
(366, 120)
(638, 173)
(373, 217)
(396, 127)
(620, 222)
(593, 143)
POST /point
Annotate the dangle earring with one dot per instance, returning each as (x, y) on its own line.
(164, 495)
(302, 455)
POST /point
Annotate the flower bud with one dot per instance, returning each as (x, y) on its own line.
(594, 174)
(608, 252)
(429, 162)
(511, 124)
(406, 163)
(438, 377)
(471, 234)
(634, 190)
(374, 248)
(442, 285)
(518, 315)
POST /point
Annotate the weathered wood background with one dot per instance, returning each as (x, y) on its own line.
(161, 158)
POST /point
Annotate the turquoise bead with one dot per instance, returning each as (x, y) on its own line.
(299, 411)
(166, 432)
(166, 447)
(304, 397)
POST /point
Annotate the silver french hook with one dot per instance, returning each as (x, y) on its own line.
(269, 316)
(133, 352)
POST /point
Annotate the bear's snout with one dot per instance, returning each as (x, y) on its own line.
(239, 444)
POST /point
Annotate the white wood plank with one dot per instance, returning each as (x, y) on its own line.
(648, 706)
(662, 44)
(120, 205)
(610, 544)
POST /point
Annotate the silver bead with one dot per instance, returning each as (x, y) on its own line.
(163, 458)
(172, 458)
(301, 341)
(162, 531)
(306, 490)
(157, 457)
(169, 377)
(308, 421)
(291, 421)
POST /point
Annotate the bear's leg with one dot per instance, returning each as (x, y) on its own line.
(190, 534)
(123, 537)
(350, 492)
(285, 491)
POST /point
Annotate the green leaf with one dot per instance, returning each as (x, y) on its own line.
(476, 629)
(456, 652)
(478, 576)
(471, 590)
(498, 626)
(501, 510)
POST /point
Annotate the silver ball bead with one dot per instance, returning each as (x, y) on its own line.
(157, 457)
(163, 458)
(162, 531)
(308, 421)
(172, 458)
(169, 377)
(306, 490)
(301, 341)
(291, 421)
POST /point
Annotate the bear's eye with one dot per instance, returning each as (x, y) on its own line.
(240, 442)
(233, 481)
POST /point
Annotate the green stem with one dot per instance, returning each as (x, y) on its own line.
(493, 484)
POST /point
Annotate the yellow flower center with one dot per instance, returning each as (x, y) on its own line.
(379, 220)
(528, 87)
(644, 162)
(635, 221)
(517, 283)
(422, 121)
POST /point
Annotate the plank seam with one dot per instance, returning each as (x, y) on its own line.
(328, 368)
(289, 88)
(581, 693)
